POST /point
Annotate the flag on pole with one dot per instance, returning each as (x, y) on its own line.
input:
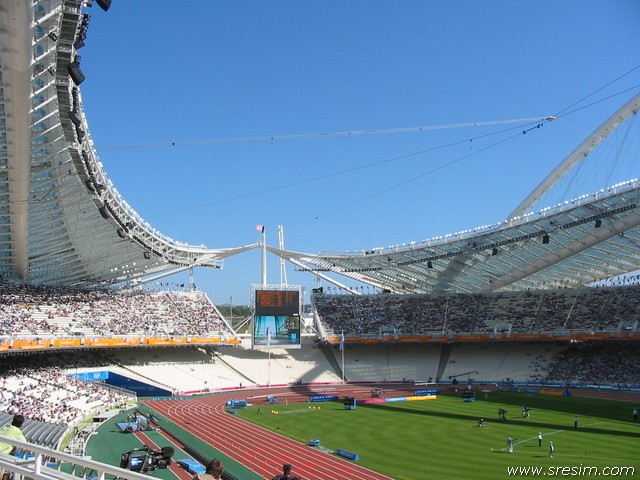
(342, 341)
(260, 228)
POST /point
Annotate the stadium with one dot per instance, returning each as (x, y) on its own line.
(110, 365)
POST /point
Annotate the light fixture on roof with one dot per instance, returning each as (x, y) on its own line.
(82, 32)
(75, 118)
(74, 71)
(104, 4)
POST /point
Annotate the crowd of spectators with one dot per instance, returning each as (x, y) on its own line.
(544, 311)
(601, 363)
(538, 369)
(27, 310)
(42, 311)
(396, 314)
(40, 390)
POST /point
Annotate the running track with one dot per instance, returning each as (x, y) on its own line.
(258, 449)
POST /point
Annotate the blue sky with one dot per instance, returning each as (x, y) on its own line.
(182, 103)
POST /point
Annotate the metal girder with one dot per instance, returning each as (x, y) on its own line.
(574, 244)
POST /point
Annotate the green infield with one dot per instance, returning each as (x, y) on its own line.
(441, 439)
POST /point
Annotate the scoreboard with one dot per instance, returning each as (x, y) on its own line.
(277, 302)
(276, 320)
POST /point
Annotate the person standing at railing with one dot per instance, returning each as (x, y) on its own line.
(13, 431)
(214, 471)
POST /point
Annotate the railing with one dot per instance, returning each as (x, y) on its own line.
(580, 335)
(46, 464)
(42, 343)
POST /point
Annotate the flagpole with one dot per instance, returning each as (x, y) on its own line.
(342, 351)
(264, 258)
(269, 361)
(343, 365)
(263, 245)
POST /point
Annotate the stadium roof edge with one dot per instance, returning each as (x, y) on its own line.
(571, 245)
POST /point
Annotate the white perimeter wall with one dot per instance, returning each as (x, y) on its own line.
(495, 362)
(389, 362)
(191, 369)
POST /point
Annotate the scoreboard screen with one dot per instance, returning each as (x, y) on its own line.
(277, 319)
(277, 302)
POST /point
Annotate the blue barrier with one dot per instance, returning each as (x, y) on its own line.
(347, 454)
(191, 465)
(323, 398)
(396, 399)
(427, 391)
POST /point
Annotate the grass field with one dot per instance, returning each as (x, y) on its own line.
(440, 439)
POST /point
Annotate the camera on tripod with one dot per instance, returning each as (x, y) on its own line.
(145, 459)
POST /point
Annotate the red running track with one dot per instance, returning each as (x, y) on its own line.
(260, 450)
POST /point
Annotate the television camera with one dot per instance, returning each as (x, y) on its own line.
(145, 459)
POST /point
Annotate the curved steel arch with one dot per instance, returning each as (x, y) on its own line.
(62, 221)
(575, 157)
